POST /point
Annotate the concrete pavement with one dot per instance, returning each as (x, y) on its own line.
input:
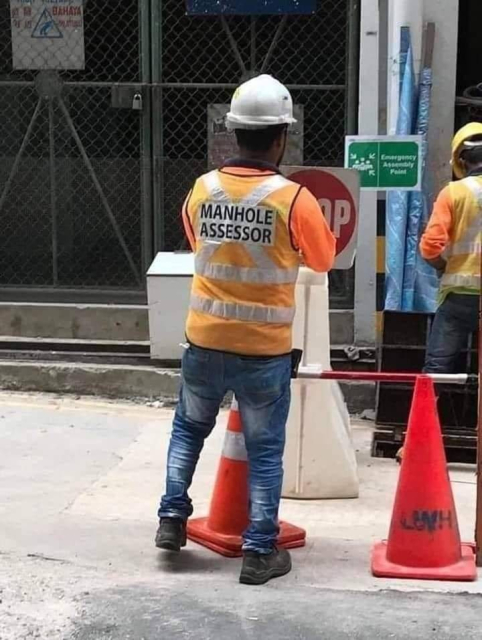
(79, 486)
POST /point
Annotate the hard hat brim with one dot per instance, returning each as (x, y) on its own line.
(241, 122)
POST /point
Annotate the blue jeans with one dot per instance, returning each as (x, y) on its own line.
(262, 389)
(456, 318)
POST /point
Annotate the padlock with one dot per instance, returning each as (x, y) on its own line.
(137, 102)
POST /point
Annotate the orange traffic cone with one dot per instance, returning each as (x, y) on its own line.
(228, 516)
(424, 540)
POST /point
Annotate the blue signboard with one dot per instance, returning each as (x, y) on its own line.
(250, 7)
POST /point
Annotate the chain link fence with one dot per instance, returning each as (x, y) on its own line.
(90, 187)
(70, 163)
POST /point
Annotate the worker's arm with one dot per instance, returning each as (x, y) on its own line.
(438, 232)
(310, 233)
(187, 223)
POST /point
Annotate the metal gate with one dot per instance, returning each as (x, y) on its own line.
(200, 60)
(75, 177)
(95, 163)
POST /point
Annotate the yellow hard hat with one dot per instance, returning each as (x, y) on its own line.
(466, 133)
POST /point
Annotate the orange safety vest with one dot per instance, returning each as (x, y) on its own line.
(242, 298)
(464, 251)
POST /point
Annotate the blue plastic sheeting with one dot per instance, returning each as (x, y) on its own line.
(397, 201)
(420, 281)
(411, 284)
(250, 7)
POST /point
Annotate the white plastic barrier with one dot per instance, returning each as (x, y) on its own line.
(319, 460)
(311, 328)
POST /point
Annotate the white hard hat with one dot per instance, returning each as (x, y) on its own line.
(259, 103)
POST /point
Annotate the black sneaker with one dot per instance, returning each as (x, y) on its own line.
(171, 534)
(259, 568)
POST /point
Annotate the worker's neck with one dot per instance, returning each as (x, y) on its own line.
(268, 156)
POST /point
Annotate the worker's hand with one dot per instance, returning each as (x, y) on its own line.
(439, 264)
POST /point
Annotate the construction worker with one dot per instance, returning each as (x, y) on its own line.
(452, 245)
(250, 228)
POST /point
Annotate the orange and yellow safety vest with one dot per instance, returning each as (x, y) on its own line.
(454, 231)
(242, 298)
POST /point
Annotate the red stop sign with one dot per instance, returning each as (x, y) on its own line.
(335, 200)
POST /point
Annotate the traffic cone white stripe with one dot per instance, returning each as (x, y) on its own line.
(235, 447)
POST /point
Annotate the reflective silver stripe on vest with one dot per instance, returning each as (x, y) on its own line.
(228, 272)
(213, 186)
(264, 190)
(235, 446)
(242, 312)
(215, 190)
(460, 280)
(470, 242)
(476, 187)
(267, 273)
(466, 248)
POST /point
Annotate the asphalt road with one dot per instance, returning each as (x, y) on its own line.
(51, 600)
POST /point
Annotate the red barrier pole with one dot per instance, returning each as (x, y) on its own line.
(317, 373)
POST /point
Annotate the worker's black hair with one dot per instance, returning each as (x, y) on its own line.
(472, 157)
(257, 140)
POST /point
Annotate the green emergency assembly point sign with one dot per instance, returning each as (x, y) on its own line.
(386, 163)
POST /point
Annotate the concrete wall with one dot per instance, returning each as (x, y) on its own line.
(365, 270)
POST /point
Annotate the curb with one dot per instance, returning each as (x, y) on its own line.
(109, 381)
